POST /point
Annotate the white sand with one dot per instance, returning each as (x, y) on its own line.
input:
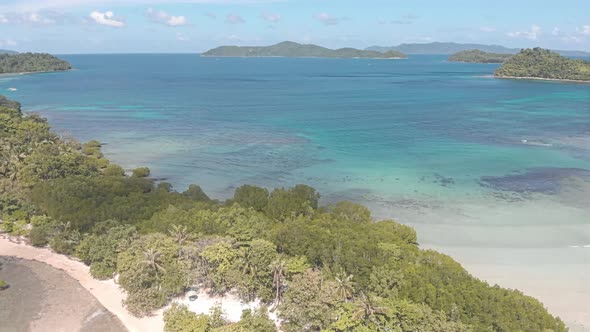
(230, 304)
(109, 294)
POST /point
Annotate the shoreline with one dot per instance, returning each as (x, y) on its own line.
(33, 72)
(109, 294)
(543, 79)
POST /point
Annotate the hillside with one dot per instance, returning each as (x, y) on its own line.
(295, 50)
(451, 48)
(477, 56)
(544, 64)
(31, 62)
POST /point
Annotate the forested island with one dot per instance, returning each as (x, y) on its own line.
(477, 56)
(539, 63)
(451, 48)
(318, 268)
(31, 62)
(295, 50)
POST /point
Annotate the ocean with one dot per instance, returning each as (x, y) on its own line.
(495, 172)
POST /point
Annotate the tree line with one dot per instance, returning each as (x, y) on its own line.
(31, 62)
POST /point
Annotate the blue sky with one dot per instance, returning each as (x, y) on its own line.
(120, 26)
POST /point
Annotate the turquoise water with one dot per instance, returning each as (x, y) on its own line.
(341, 125)
(493, 171)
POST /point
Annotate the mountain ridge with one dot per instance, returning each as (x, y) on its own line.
(295, 50)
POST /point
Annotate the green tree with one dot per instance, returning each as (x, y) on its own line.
(179, 319)
(309, 304)
(252, 197)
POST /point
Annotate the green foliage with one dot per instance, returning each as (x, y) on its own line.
(477, 56)
(141, 172)
(114, 170)
(3, 285)
(294, 50)
(195, 193)
(179, 319)
(310, 303)
(299, 200)
(152, 271)
(8, 104)
(31, 62)
(541, 63)
(86, 201)
(364, 315)
(351, 211)
(100, 250)
(252, 197)
(257, 321)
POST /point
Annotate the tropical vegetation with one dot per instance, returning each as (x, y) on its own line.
(477, 56)
(318, 268)
(31, 62)
(544, 64)
(295, 50)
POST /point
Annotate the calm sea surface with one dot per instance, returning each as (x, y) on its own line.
(495, 172)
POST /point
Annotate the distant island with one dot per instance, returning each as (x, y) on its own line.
(540, 63)
(8, 52)
(296, 50)
(477, 56)
(31, 63)
(451, 48)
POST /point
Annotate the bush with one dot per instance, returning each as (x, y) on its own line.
(39, 236)
(20, 228)
(195, 193)
(143, 302)
(179, 319)
(141, 172)
(102, 270)
(114, 170)
(252, 197)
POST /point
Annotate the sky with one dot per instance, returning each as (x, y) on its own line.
(179, 26)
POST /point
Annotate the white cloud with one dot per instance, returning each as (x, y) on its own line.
(532, 34)
(585, 30)
(556, 31)
(35, 5)
(569, 39)
(181, 37)
(34, 18)
(234, 19)
(7, 43)
(271, 17)
(107, 18)
(158, 16)
(327, 19)
(487, 29)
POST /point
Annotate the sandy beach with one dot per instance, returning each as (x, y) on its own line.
(107, 292)
(42, 298)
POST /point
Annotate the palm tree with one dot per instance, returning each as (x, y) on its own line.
(345, 285)
(368, 310)
(180, 234)
(248, 266)
(279, 269)
(152, 260)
